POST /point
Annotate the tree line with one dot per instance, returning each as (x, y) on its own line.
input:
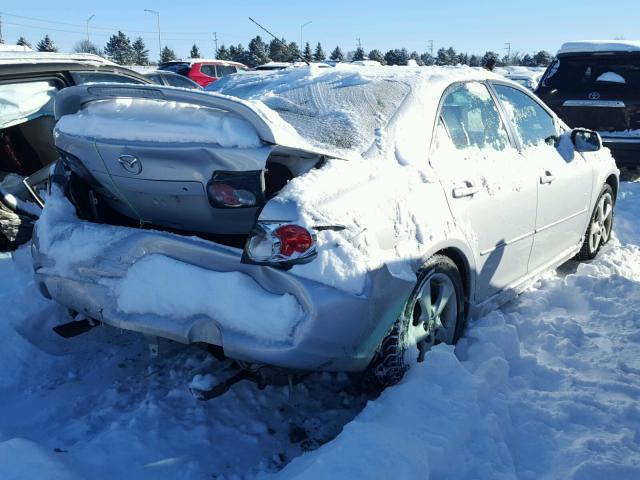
(120, 49)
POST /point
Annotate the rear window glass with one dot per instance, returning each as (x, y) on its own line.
(180, 81)
(102, 77)
(181, 68)
(591, 72)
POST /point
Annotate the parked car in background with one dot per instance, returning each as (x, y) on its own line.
(28, 84)
(171, 79)
(203, 71)
(527, 80)
(596, 84)
(349, 218)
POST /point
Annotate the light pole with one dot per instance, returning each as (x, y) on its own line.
(301, 27)
(157, 14)
(88, 20)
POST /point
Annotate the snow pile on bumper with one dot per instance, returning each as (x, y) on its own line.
(167, 287)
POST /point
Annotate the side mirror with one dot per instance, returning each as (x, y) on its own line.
(585, 140)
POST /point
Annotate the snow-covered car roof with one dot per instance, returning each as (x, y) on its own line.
(344, 108)
(14, 58)
(595, 46)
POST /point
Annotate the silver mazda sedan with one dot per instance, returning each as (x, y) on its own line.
(341, 219)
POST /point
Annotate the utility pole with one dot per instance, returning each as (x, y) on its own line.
(431, 48)
(157, 14)
(359, 43)
(508, 49)
(1, 40)
(301, 28)
(215, 40)
(88, 20)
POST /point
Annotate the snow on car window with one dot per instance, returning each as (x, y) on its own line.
(21, 102)
(533, 124)
(341, 108)
(472, 118)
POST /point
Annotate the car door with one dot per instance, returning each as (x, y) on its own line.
(564, 176)
(490, 188)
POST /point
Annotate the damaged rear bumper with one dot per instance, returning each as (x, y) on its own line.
(336, 330)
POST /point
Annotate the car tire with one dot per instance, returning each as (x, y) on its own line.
(439, 289)
(15, 228)
(600, 225)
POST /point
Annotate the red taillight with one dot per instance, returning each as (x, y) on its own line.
(293, 239)
(224, 194)
(278, 244)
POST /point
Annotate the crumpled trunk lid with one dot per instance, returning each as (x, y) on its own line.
(151, 153)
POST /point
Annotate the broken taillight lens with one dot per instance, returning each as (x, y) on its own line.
(283, 244)
(236, 189)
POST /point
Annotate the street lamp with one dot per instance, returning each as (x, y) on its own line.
(88, 20)
(301, 27)
(157, 14)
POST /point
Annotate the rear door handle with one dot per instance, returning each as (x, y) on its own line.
(547, 177)
(468, 190)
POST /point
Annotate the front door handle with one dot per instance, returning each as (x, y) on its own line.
(547, 177)
(468, 190)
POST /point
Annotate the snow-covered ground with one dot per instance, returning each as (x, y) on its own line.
(547, 387)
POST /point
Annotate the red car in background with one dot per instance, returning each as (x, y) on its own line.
(202, 71)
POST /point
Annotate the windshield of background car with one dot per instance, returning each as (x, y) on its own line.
(102, 77)
(594, 71)
(21, 102)
(181, 68)
(337, 109)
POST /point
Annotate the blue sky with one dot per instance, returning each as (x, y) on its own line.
(471, 26)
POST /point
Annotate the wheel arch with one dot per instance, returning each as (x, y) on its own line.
(612, 181)
(464, 267)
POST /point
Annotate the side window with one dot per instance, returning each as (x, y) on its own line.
(533, 124)
(102, 77)
(224, 70)
(471, 118)
(209, 70)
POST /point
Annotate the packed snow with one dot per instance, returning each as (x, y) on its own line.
(594, 46)
(195, 291)
(546, 387)
(150, 120)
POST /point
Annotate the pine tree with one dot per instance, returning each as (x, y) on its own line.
(140, 54)
(306, 54)
(397, 56)
(318, 54)
(427, 59)
(376, 55)
(293, 52)
(489, 55)
(463, 59)
(258, 52)
(528, 61)
(195, 52)
(416, 58)
(222, 53)
(46, 45)
(167, 55)
(23, 42)
(542, 58)
(85, 46)
(442, 57)
(278, 51)
(358, 54)
(475, 61)
(119, 49)
(337, 54)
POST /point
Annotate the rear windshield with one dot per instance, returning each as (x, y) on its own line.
(181, 68)
(224, 70)
(590, 72)
(338, 109)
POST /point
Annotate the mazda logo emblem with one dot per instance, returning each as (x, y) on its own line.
(594, 96)
(130, 163)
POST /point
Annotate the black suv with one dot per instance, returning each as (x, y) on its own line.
(597, 85)
(29, 82)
